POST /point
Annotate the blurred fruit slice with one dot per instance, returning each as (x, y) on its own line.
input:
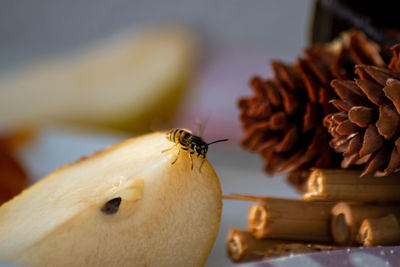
(129, 82)
(125, 206)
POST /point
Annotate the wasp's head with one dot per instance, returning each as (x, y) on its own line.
(199, 146)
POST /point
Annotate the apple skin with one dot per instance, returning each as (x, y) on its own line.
(169, 213)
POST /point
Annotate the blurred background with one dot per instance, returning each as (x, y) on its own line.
(85, 74)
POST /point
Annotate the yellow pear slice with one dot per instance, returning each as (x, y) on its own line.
(123, 82)
(169, 214)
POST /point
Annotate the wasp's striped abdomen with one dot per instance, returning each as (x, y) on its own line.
(179, 136)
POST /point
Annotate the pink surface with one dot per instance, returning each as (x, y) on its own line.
(354, 257)
(221, 80)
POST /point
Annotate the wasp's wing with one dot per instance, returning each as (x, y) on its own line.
(200, 126)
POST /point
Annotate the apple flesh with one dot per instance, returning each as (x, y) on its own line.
(168, 214)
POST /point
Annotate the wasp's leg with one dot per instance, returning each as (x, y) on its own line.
(191, 159)
(201, 164)
(177, 156)
(165, 150)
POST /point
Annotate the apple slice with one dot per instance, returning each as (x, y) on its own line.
(121, 83)
(124, 206)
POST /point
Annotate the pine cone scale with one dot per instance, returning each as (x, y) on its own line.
(364, 52)
(349, 160)
(372, 91)
(295, 161)
(378, 161)
(339, 117)
(318, 59)
(310, 82)
(394, 163)
(373, 141)
(388, 122)
(268, 145)
(340, 105)
(341, 144)
(278, 121)
(346, 127)
(394, 64)
(273, 94)
(285, 75)
(325, 95)
(354, 146)
(347, 91)
(377, 74)
(289, 140)
(290, 103)
(392, 91)
(361, 116)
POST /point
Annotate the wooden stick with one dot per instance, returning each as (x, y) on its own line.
(290, 219)
(243, 197)
(347, 218)
(346, 185)
(243, 247)
(379, 231)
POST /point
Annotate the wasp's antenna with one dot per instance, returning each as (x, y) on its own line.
(217, 141)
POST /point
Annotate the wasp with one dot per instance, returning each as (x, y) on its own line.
(189, 142)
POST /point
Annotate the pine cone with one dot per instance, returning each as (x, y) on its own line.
(283, 119)
(366, 130)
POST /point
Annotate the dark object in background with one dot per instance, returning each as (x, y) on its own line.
(378, 19)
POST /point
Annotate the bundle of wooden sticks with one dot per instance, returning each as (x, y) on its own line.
(339, 210)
